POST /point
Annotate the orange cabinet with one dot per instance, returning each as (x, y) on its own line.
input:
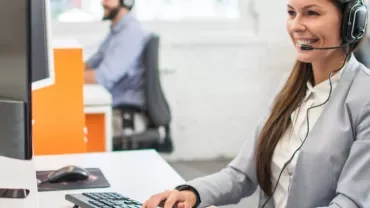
(58, 109)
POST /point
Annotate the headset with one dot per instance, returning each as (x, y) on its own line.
(354, 23)
(129, 4)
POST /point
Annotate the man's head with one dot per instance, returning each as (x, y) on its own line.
(113, 7)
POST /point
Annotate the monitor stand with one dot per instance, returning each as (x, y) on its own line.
(18, 183)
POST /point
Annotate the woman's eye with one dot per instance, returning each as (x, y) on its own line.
(312, 13)
(291, 13)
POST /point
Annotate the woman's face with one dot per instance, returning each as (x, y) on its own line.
(316, 23)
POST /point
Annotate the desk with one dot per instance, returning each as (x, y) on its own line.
(98, 118)
(136, 174)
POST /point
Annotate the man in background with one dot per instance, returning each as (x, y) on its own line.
(117, 64)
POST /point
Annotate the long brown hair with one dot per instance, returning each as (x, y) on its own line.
(288, 100)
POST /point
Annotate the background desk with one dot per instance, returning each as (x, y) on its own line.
(98, 118)
(136, 174)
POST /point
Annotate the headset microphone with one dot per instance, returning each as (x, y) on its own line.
(308, 47)
(357, 38)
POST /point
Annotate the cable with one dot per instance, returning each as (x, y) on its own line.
(308, 128)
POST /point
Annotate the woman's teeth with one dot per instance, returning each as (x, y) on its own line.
(305, 42)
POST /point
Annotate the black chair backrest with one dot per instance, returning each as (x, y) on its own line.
(362, 53)
(158, 110)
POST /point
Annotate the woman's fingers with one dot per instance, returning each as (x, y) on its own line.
(174, 198)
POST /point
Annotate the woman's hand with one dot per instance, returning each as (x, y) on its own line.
(170, 199)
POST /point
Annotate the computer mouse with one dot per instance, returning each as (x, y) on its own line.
(68, 174)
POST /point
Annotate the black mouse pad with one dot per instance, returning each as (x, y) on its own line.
(95, 180)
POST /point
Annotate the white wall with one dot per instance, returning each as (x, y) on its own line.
(217, 76)
(218, 93)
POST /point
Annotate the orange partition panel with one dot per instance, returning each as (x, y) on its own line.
(58, 109)
(95, 124)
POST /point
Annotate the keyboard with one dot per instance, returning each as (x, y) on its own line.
(102, 200)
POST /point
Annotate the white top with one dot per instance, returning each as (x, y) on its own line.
(96, 95)
(295, 135)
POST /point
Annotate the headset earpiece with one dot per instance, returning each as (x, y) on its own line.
(354, 21)
(127, 3)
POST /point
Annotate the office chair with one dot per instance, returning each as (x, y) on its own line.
(157, 113)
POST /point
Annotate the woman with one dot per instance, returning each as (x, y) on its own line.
(313, 148)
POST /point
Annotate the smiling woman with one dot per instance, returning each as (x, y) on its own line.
(311, 149)
(317, 25)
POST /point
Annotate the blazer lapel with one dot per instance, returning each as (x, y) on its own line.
(339, 93)
(321, 137)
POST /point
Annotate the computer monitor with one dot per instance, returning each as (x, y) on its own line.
(42, 51)
(26, 64)
(15, 87)
(14, 61)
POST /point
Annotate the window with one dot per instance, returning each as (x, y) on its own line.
(148, 10)
(170, 10)
(76, 10)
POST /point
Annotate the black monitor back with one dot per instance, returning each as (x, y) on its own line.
(14, 50)
(39, 41)
(23, 60)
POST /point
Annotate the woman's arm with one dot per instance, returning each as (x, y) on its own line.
(231, 184)
(353, 190)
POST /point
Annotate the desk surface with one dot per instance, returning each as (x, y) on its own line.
(136, 174)
(96, 95)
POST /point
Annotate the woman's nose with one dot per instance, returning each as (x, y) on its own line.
(297, 25)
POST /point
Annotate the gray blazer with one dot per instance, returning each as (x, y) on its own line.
(333, 167)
